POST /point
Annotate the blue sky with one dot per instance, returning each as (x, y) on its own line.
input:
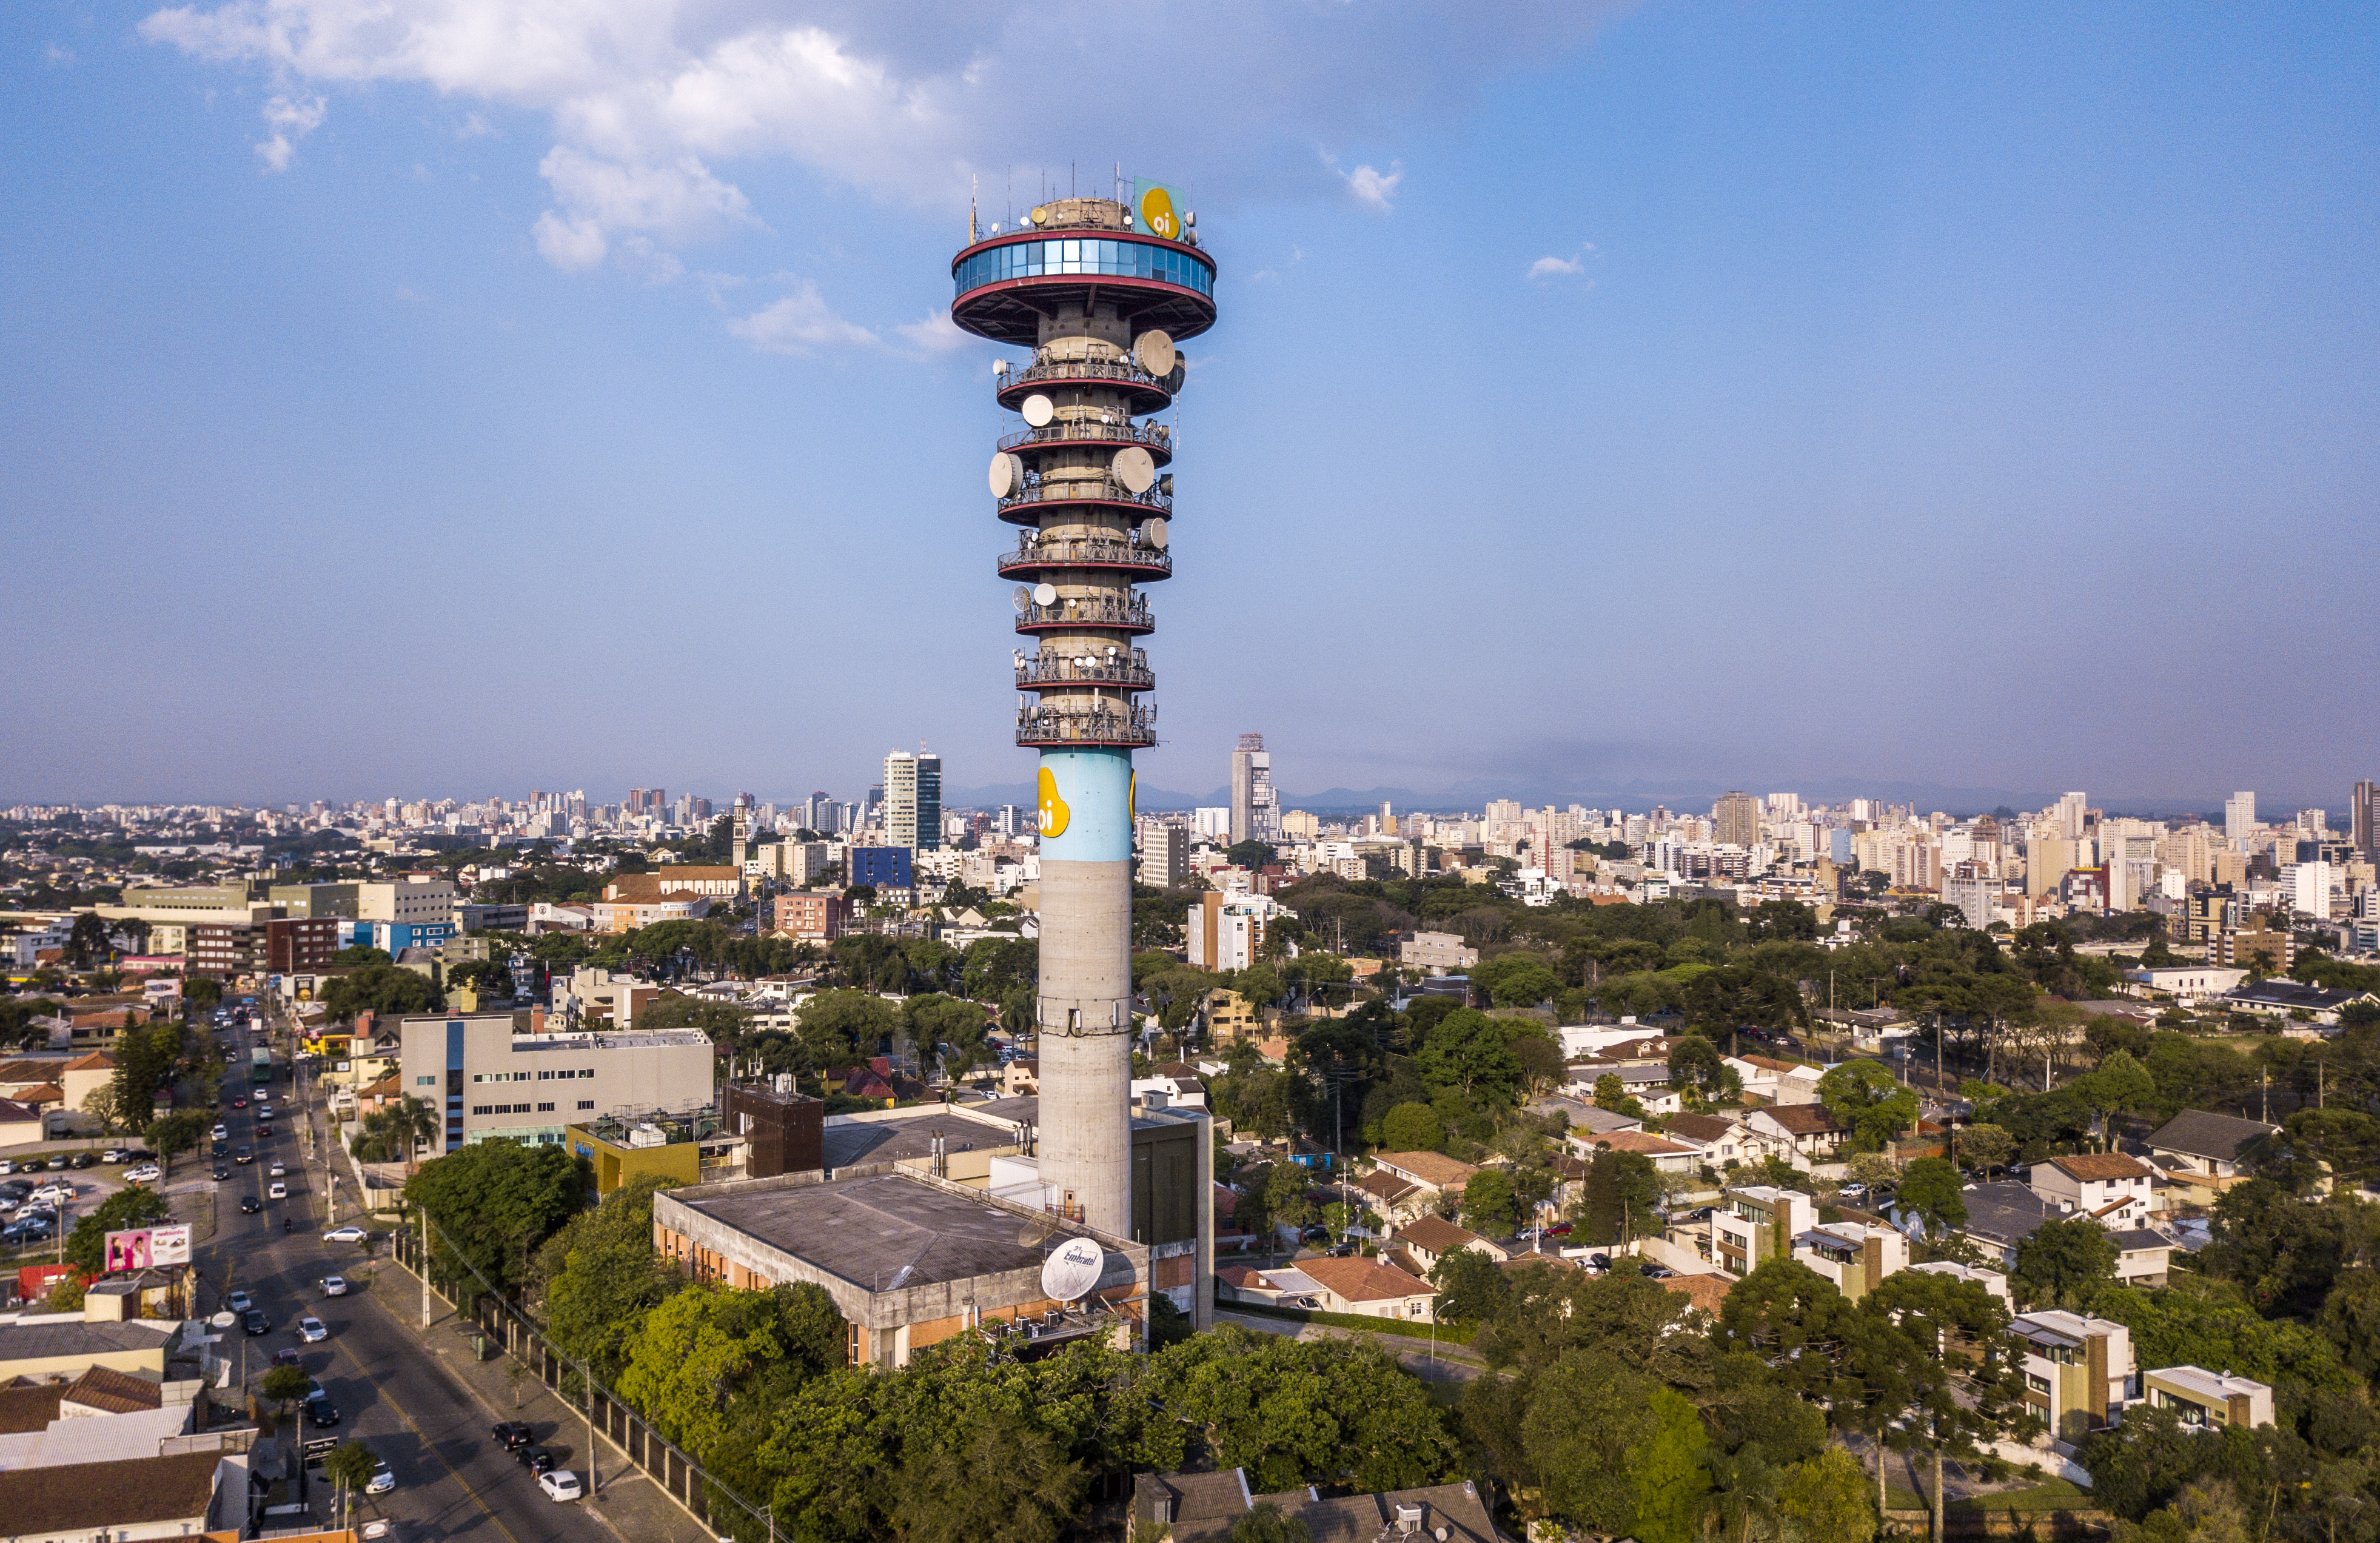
(462, 397)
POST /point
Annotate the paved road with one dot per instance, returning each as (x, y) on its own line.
(451, 1481)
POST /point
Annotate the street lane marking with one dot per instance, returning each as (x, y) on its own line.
(427, 1444)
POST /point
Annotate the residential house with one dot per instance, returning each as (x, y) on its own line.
(2001, 1216)
(1667, 1156)
(2207, 1153)
(181, 1495)
(1433, 1172)
(2290, 1000)
(1803, 1134)
(1991, 1280)
(1370, 1288)
(1204, 1508)
(1397, 1200)
(1852, 1255)
(1774, 1081)
(1430, 1239)
(1755, 1224)
(1282, 1286)
(2207, 1400)
(2109, 1187)
(1584, 1119)
(1020, 1078)
(2076, 1369)
(1724, 1138)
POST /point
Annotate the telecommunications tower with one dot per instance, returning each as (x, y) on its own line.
(1100, 290)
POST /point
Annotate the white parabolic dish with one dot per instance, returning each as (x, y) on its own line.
(1069, 1274)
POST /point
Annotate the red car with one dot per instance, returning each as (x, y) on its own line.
(264, 1128)
(239, 1103)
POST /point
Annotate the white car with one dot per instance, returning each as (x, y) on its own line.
(560, 1484)
(55, 1193)
(239, 1302)
(382, 1481)
(278, 1171)
(222, 1132)
(310, 1330)
(276, 1190)
(334, 1285)
(348, 1234)
(147, 1172)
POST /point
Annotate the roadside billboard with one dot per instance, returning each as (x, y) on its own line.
(144, 1246)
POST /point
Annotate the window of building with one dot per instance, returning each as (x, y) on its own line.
(545, 1109)
(586, 1103)
(431, 1081)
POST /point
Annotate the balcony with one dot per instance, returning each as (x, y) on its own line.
(1143, 562)
(1087, 612)
(1157, 438)
(1018, 507)
(1149, 393)
(1133, 728)
(1048, 670)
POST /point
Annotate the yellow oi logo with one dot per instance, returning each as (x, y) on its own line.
(1157, 214)
(1132, 798)
(1054, 812)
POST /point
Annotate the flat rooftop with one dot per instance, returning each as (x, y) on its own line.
(1026, 1108)
(867, 1230)
(853, 1143)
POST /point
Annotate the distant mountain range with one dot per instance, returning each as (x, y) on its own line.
(1685, 793)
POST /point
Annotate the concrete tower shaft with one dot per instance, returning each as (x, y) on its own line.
(1084, 476)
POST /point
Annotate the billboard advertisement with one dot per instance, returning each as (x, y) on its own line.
(144, 1246)
(1157, 207)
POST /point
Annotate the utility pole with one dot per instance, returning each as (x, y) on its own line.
(422, 1268)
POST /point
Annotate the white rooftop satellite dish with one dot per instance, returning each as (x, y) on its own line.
(1039, 410)
(1153, 351)
(1045, 594)
(999, 366)
(1024, 597)
(1069, 1274)
(1154, 533)
(1135, 468)
(1007, 475)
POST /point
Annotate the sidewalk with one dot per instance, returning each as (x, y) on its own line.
(628, 1504)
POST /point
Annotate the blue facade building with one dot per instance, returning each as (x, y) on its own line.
(886, 867)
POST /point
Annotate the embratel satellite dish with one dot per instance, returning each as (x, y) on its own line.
(1154, 534)
(1024, 598)
(1135, 468)
(1069, 1274)
(1039, 410)
(1045, 594)
(1153, 351)
(1007, 475)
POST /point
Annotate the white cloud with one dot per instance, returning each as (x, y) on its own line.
(291, 119)
(1562, 267)
(801, 324)
(57, 53)
(898, 99)
(935, 333)
(1374, 189)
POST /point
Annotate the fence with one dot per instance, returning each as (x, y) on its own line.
(678, 1475)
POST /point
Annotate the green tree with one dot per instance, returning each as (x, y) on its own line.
(603, 1276)
(1250, 855)
(1932, 1188)
(1866, 1100)
(494, 1203)
(1699, 1073)
(712, 1368)
(1411, 1128)
(350, 1468)
(1490, 1205)
(1288, 1197)
(1005, 1481)
(1987, 1148)
(1826, 1499)
(1517, 979)
(2063, 1264)
(384, 990)
(129, 1208)
(1965, 1384)
(283, 1385)
(203, 992)
(144, 1066)
(1472, 1287)
(1470, 1051)
(844, 1028)
(1266, 1522)
(1618, 1197)
(1589, 1407)
(2120, 1083)
(1611, 1094)
(175, 1133)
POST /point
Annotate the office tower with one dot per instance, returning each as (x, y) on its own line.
(1736, 818)
(2070, 813)
(2239, 815)
(1100, 292)
(912, 796)
(2363, 820)
(2310, 890)
(1255, 808)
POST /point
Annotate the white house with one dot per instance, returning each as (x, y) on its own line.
(2109, 1187)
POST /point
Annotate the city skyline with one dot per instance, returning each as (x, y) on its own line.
(1937, 399)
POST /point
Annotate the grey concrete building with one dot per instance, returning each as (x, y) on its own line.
(492, 1076)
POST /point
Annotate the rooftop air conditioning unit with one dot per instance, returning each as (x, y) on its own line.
(1408, 1520)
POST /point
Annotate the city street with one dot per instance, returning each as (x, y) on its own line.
(452, 1479)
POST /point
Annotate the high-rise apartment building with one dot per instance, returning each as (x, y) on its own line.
(2070, 816)
(2363, 820)
(2239, 815)
(1736, 818)
(913, 800)
(1255, 808)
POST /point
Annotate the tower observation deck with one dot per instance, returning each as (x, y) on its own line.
(1102, 292)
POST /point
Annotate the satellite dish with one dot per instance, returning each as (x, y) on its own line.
(1024, 597)
(1172, 382)
(999, 366)
(1154, 533)
(1042, 216)
(1045, 594)
(1069, 1274)
(1165, 484)
(1135, 468)
(1153, 350)
(1007, 475)
(1039, 410)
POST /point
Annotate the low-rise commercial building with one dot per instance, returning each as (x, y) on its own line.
(491, 1075)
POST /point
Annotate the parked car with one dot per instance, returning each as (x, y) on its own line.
(1852, 1190)
(289, 1356)
(147, 1172)
(86, 1160)
(559, 1485)
(512, 1435)
(32, 1165)
(30, 1229)
(239, 1302)
(113, 1154)
(322, 1413)
(348, 1234)
(536, 1458)
(333, 1285)
(253, 1322)
(382, 1480)
(310, 1330)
